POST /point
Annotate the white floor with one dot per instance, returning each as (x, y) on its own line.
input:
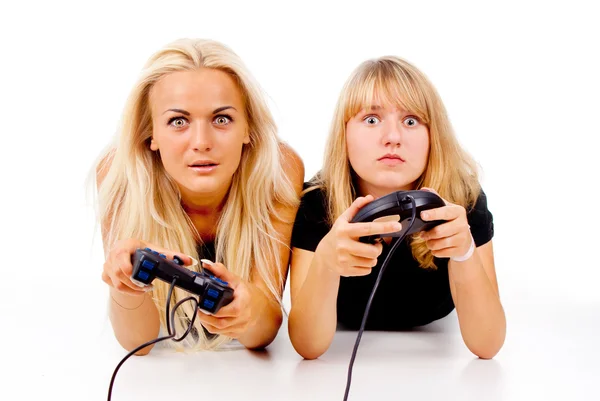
(59, 345)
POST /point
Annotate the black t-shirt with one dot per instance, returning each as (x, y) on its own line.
(408, 295)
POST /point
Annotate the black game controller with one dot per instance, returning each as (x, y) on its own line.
(399, 203)
(148, 264)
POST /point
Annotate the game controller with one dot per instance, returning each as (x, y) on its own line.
(399, 203)
(148, 264)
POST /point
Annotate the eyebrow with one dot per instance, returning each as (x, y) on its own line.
(220, 109)
(187, 113)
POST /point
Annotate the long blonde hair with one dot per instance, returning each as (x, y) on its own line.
(138, 199)
(450, 170)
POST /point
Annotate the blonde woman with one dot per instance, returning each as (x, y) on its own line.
(390, 132)
(197, 170)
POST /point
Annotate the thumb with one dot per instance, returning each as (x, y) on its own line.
(358, 203)
(219, 270)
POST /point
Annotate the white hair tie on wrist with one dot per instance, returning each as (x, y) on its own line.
(466, 255)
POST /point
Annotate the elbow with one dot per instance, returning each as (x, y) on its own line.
(303, 345)
(258, 345)
(490, 348)
(142, 352)
(130, 346)
(308, 352)
(484, 353)
(257, 340)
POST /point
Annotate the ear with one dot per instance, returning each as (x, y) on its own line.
(153, 145)
(247, 138)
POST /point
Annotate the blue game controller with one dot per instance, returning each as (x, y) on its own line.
(148, 264)
(399, 204)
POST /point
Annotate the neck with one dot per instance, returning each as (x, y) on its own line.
(204, 212)
(202, 207)
(205, 204)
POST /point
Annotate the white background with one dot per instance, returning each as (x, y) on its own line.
(520, 82)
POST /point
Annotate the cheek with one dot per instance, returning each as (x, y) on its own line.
(231, 146)
(358, 145)
(171, 150)
(420, 146)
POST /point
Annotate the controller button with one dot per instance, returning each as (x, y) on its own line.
(221, 281)
(208, 304)
(213, 293)
(148, 264)
(147, 249)
(143, 275)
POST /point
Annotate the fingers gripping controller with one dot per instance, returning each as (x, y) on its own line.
(148, 264)
(400, 203)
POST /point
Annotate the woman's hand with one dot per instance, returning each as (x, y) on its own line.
(234, 319)
(451, 239)
(341, 250)
(118, 268)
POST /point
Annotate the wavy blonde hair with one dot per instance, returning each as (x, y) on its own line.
(450, 170)
(138, 199)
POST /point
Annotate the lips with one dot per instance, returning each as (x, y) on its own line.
(391, 157)
(204, 163)
(203, 166)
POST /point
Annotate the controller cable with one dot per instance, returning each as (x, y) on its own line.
(368, 307)
(170, 315)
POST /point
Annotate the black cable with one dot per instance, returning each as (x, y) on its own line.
(368, 307)
(171, 330)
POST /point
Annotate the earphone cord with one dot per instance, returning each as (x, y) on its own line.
(170, 317)
(368, 307)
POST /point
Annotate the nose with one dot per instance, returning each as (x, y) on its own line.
(201, 137)
(392, 133)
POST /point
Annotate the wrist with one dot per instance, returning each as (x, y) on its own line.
(323, 266)
(467, 255)
(126, 301)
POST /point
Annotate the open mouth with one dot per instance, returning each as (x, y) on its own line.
(203, 166)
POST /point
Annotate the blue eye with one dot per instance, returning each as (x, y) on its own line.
(371, 120)
(411, 121)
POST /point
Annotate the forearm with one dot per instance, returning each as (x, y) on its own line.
(480, 314)
(265, 327)
(134, 320)
(313, 316)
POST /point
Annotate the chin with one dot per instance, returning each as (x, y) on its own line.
(392, 184)
(205, 187)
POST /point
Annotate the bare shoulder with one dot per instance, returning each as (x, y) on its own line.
(292, 165)
(101, 171)
(103, 167)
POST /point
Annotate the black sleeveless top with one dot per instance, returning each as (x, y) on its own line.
(206, 250)
(408, 295)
